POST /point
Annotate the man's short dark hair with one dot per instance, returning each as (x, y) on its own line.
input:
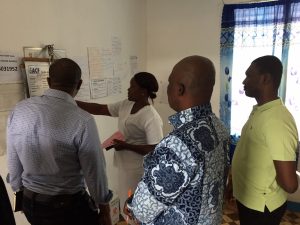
(65, 72)
(272, 65)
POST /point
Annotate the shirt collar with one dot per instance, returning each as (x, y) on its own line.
(190, 114)
(268, 105)
(60, 94)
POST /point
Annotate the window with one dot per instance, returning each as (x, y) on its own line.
(250, 31)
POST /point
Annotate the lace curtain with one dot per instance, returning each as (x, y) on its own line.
(250, 31)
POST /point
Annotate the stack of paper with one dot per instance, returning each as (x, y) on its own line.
(109, 142)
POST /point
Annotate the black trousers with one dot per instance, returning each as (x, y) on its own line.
(75, 209)
(6, 213)
(252, 217)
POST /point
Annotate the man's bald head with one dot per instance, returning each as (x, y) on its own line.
(197, 73)
(195, 77)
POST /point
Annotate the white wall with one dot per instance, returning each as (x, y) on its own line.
(176, 29)
(74, 25)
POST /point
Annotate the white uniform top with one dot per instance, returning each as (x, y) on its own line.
(141, 128)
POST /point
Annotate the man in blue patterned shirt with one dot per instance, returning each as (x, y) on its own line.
(53, 149)
(185, 176)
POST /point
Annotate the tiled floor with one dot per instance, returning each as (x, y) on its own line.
(230, 216)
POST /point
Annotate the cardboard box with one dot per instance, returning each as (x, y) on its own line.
(115, 209)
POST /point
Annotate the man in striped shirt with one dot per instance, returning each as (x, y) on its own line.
(53, 150)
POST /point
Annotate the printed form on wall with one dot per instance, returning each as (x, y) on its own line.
(11, 91)
(118, 64)
(37, 73)
(98, 88)
(114, 86)
(84, 92)
(108, 69)
(162, 92)
(102, 80)
(3, 121)
(119, 72)
(116, 46)
(97, 81)
(133, 65)
(9, 68)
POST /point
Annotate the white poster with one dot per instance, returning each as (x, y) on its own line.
(163, 97)
(10, 95)
(9, 68)
(95, 63)
(3, 122)
(119, 65)
(98, 88)
(114, 86)
(84, 92)
(133, 65)
(106, 62)
(37, 73)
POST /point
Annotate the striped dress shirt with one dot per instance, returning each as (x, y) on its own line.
(53, 147)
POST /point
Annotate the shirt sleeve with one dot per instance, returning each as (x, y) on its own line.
(114, 108)
(15, 167)
(166, 176)
(282, 140)
(93, 164)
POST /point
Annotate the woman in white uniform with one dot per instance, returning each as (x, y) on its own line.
(141, 126)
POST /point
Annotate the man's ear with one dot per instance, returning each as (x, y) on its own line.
(181, 89)
(267, 78)
(79, 84)
(49, 82)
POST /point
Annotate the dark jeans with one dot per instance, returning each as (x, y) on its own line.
(76, 210)
(252, 217)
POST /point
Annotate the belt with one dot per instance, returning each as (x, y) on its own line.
(51, 198)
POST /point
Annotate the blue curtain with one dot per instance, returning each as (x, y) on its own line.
(265, 26)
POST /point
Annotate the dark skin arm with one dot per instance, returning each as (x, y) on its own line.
(100, 109)
(286, 175)
(140, 149)
(94, 108)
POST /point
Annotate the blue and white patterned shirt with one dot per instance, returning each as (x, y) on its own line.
(53, 145)
(184, 177)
